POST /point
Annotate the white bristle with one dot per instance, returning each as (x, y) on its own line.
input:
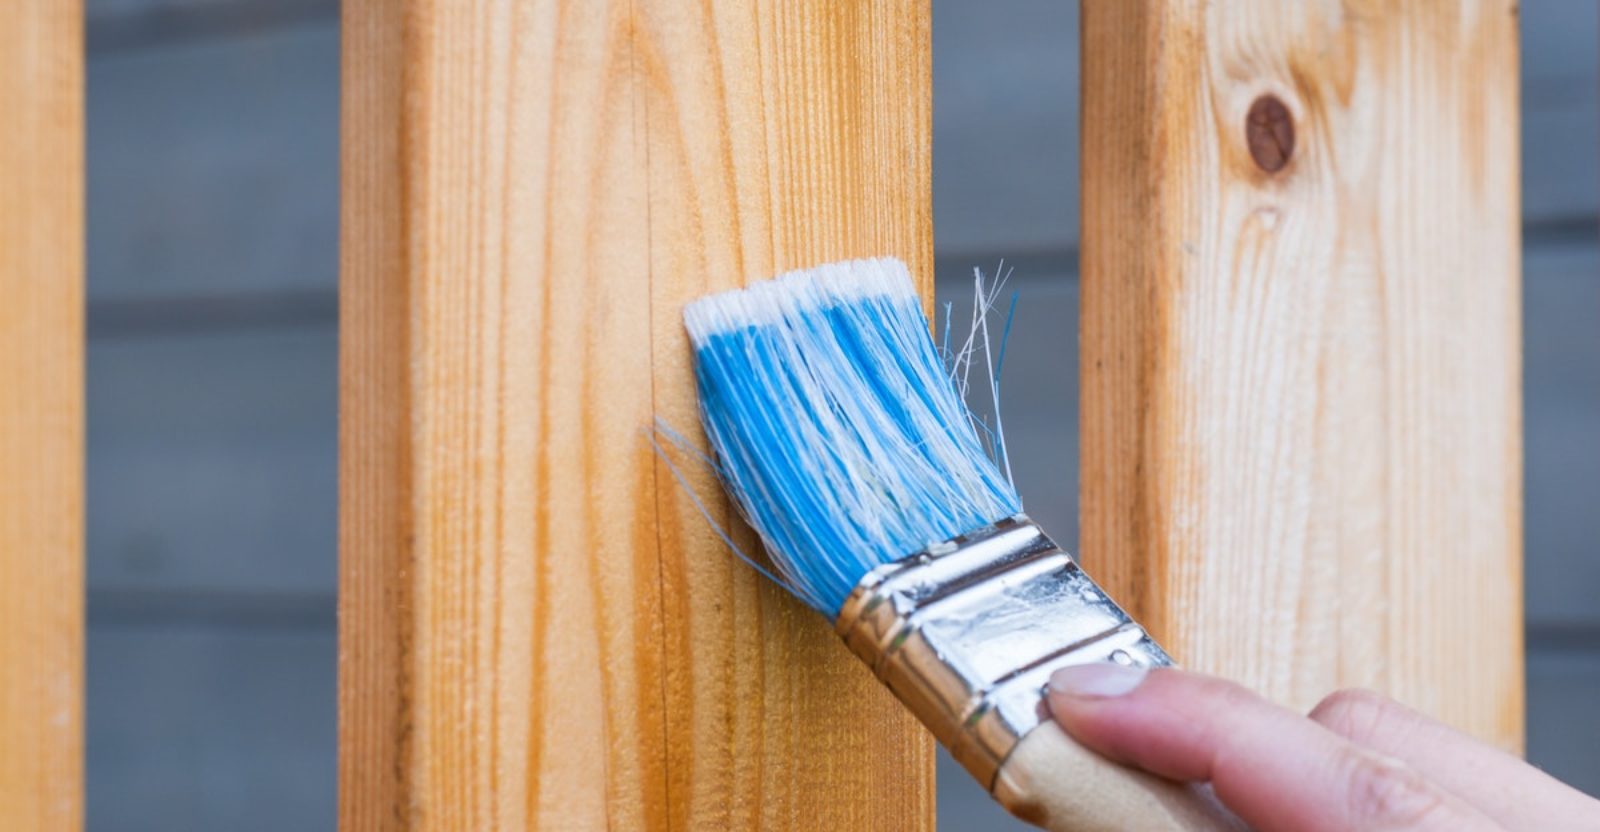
(795, 292)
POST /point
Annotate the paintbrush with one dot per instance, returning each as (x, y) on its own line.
(884, 505)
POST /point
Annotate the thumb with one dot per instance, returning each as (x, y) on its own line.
(1274, 768)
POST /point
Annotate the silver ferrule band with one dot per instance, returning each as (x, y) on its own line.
(967, 633)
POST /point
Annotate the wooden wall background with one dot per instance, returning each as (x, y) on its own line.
(213, 192)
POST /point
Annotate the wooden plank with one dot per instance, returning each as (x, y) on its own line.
(1300, 418)
(534, 630)
(41, 415)
(498, 659)
(780, 135)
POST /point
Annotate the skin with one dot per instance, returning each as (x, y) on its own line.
(1357, 761)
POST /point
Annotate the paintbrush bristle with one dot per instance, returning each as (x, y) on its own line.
(836, 427)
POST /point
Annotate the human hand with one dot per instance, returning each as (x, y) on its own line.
(1359, 761)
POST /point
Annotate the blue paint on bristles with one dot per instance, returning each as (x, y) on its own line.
(835, 425)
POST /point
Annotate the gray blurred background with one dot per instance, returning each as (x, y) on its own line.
(213, 231)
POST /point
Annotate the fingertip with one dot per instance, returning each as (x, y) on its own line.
(1130, 715)
(1096, 680)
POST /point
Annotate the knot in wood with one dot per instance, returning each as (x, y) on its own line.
(1269, 130)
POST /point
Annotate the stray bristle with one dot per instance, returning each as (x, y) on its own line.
(835, 425)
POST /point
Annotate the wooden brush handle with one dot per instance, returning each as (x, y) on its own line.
(1053, 782)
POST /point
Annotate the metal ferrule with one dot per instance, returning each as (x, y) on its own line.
(967, 633)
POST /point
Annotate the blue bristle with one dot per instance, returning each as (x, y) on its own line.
(836, 428)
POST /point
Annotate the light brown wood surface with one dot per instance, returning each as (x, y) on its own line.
(1300, 413)
(41, 416)
(779, 135)
(536, 628)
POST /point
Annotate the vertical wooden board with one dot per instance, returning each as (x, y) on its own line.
(780, 135)
(499, 614)
(597, 639)
(1300, 415)
(41, 415)
(376, 560)
(522, 643)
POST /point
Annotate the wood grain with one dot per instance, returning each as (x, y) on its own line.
(779, 135)
(536, 631)
(1300, 414)
(41, 416)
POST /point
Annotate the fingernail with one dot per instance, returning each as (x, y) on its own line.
(1100, 680)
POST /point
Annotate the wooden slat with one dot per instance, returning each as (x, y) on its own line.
(1300, 417)
(534, 629)
(780, 135)
(499, 658)
(41, 415)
